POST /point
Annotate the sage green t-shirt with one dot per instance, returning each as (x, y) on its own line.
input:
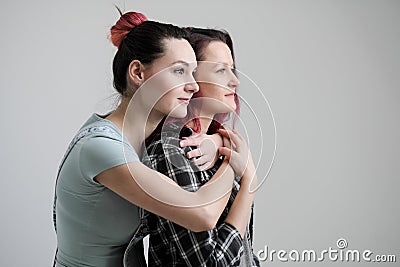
(94, 225)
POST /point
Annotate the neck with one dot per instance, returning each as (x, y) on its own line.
(135, 121)
(153, 120)
(205, 121)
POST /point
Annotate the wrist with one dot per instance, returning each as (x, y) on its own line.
(250, 167)
(249, 174)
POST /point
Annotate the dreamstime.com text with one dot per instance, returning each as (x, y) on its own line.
(332, 254)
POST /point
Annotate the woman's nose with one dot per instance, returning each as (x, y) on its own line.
(192, 87)
(234, 81)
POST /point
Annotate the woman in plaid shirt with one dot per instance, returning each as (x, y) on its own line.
(230, 242)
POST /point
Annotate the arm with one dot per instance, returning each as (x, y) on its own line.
(239, 214)
(221, 246)
(216, 247)
(156, 193)
(240, 158)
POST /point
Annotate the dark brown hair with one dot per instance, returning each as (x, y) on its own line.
(140, 39)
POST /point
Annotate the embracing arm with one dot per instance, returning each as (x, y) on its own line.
(220, 246)
(241, 160)
(155, 192)
(240, 211)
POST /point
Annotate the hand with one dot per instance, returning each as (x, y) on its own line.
(206, 154)
(236, 151)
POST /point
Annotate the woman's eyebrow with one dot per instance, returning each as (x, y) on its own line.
(180, 62)
(225, 64)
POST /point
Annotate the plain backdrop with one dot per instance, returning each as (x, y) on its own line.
(329, 70)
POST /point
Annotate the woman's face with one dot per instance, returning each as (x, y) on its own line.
(169, 82)
(216, 79)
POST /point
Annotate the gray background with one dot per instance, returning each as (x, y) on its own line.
(330, 70)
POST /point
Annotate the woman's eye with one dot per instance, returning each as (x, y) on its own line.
(221, 70)
(180, 71)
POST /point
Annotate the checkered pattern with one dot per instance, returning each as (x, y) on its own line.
(173, 245)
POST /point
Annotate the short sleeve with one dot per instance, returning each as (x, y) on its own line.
(101, 153)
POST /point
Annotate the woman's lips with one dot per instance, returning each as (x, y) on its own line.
(184, 100)
(230, 94)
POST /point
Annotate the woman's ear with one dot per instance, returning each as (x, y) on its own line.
(135, 72)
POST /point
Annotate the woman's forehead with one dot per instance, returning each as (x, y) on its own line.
(178, 50)
(218, 52)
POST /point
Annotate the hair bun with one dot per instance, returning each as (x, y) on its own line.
(124, 25)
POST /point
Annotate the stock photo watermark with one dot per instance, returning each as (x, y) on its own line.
(340, 253)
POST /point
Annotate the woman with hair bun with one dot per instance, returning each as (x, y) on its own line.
(101, 181)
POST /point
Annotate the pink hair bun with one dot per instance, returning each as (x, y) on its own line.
(124, 25)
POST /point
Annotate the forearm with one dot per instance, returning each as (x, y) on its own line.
(203, 205)
(218, 189)
(201, 209)
(213, 196)
(240, 210)
(143, 187)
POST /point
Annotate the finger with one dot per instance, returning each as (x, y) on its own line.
(200, 161)
(229, 143)
(183, 143)
(231, 134)
(235, 139)
(226, 137)
(189, 142)
(194, 140)
(224, 133)
(235, 136)
(226, 142)
(225, 152)
(194, 153)
(238, 134)
(205, 166)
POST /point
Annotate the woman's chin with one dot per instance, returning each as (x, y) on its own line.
(230, 108)
(178, 114)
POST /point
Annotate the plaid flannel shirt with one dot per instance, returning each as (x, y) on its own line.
(173, 245)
